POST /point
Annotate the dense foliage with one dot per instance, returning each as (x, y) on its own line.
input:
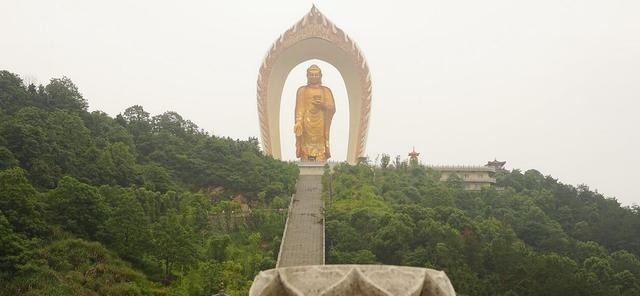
(152, 205)
(131, 205)
(534, 236)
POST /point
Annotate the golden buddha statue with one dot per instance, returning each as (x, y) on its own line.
(314, 110)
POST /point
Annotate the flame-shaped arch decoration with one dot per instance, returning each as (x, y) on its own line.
(314, 37)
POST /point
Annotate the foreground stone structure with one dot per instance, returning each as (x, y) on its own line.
(334, 280)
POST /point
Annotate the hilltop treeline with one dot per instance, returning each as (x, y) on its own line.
(537, 236)
(131, 205)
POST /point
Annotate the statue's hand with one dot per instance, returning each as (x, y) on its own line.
(317, 101)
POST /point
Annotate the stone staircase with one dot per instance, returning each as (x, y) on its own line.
(303, 238)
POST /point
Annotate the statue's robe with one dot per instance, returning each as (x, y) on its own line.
(313, 142)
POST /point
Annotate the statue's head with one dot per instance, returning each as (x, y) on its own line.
(314, 75)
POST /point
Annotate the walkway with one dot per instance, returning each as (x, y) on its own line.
(303, 240)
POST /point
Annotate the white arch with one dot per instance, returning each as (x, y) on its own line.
(314, 37)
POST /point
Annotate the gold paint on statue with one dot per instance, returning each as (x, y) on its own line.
(314, 110)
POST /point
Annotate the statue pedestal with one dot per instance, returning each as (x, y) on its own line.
(334, 280)
(313, 168)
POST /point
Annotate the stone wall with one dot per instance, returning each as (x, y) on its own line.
(335, 280)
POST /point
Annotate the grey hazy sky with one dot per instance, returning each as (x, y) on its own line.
(548, 84)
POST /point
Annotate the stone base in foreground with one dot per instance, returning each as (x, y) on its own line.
(334, 280)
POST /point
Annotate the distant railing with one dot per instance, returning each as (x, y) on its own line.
(461, 168)
(475, 180)
(284, 233)
(319, 162)
(324, 238)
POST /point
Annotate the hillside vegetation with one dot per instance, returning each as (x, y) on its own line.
(535, 237)
(131, 205)
(152, 205)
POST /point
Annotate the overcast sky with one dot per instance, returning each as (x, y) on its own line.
(552, 85)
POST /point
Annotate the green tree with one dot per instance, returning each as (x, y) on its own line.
(173, 243)
(49, 144)
(13, 94)
(384, 161)
(118, 165)
(7, 160)
(455, 181)
(63, 94)
(19, 203)
(12, 249)
(106, 130)
(25, 135)
(127, 229)
(77, 207)
(156, 178)
(138, 123)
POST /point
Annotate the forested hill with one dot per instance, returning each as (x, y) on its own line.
(131, 205)
(537, 236)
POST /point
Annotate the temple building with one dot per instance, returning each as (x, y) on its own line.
(499, 165)
(474, 177)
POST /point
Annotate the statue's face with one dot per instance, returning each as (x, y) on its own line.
(314, 77)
